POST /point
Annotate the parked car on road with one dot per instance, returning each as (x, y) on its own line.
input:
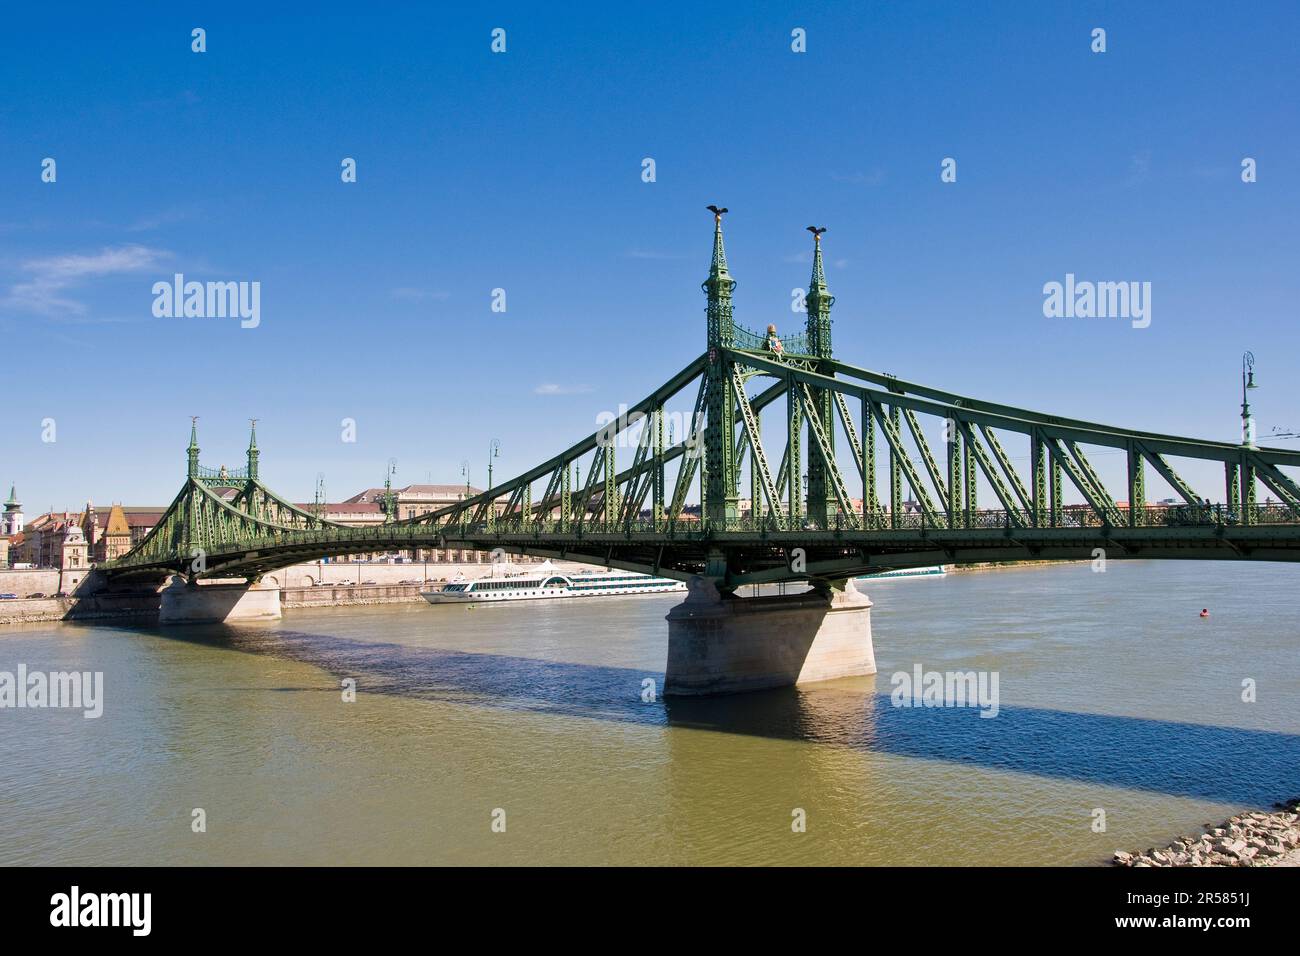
(8, 597)
(38, 594)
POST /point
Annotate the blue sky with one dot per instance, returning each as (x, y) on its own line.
(522, 171)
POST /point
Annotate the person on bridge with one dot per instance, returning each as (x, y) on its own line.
(773, 343)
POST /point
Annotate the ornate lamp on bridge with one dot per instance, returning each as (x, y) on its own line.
(1247, 383)
(389, 510)
(494, 451)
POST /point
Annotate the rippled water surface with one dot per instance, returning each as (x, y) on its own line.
(1114, 695)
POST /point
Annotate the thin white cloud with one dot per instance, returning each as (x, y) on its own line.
(166, 217)
(47, 280)
(1139, 168)
(553, 389)
(412, 294)
(650, 254)
(869, 177)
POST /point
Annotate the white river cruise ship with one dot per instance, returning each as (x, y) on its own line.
(545, 582)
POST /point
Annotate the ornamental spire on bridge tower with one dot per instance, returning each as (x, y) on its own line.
(819, 301)
(721, 486)
(822, 505)
(718, 287)
(192, 452)
(252, 449)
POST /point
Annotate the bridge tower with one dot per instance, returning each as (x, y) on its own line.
(252, 449)
(192, 450)
(721, 481)
(821, 501)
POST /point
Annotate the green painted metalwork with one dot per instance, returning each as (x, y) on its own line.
(1137, 492)
(897, 458)
(253, 453)
(822, 470)
(870, 496)
(1058, 489)
(821, 442)
(207, 532)
(1014, 516)
(1104, 500)
(1013, 478)
(192, 451)
(794, 458)
(1249, 510)
(972, 484)
(890, 428)
(1168, 474)
(720, 474)
(953, 442)
(761, 473)
(1273, 478)
(1038, 463)
(927, 457)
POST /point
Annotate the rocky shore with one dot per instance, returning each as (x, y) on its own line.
(1248, 839)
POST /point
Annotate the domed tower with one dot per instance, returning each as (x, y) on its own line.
(11, 522)
(75, 557)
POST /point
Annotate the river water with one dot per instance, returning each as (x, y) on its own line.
(1115, 696)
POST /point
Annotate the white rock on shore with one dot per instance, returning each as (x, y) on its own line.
(1248, 839)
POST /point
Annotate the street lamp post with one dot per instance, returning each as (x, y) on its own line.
(1247, 383)
(389, 509)
(464, 470)
(388, 489)
(494, 451)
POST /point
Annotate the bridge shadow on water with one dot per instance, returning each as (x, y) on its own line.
(1224, 764)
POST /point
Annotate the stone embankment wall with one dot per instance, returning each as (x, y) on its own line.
(24, 583)
(141, 605)
(331, 596)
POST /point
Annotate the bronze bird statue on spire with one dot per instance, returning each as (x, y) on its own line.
(717, 213)
(816, 231)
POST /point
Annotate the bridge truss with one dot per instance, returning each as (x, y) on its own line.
(843, 471)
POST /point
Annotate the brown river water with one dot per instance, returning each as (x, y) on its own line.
(1114, 695)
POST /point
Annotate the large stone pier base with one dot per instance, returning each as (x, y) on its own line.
(722, 645)
(183, 603)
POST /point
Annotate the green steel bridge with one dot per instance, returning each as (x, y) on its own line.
(847, 471)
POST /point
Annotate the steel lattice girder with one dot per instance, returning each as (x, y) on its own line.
(257, 529)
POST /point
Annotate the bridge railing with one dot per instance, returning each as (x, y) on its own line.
(1074, 516)
(790, 344)
(383, 537)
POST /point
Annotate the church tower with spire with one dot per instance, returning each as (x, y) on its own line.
(11, 522)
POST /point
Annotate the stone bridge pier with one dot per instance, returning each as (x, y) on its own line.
(724, 644)
(218, 602)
